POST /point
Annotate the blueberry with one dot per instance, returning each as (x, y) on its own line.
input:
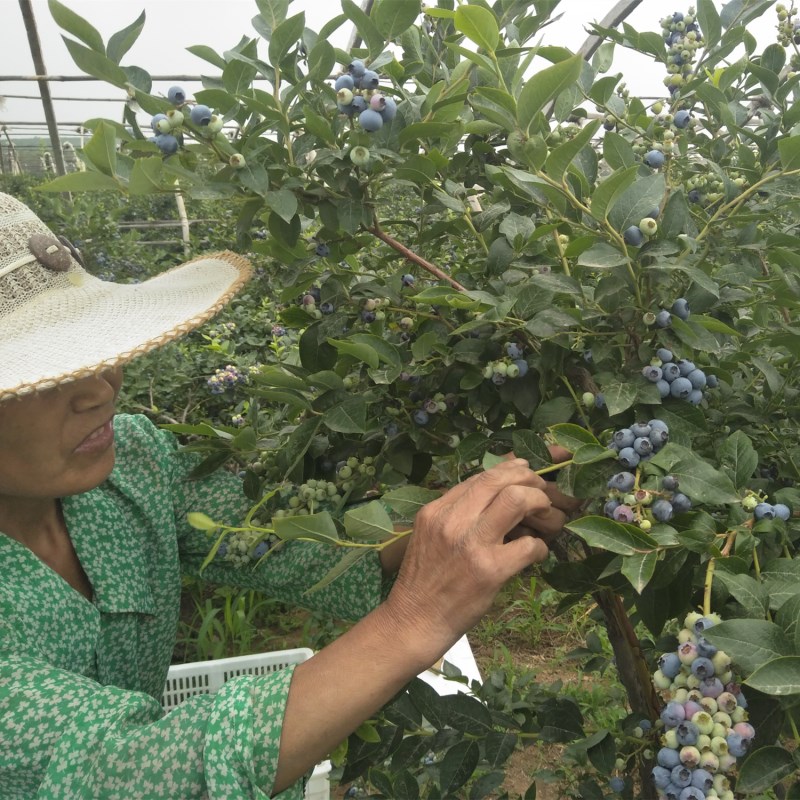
(712, 381)
(421, 416)
(408, 280)
(688, 733)
(654, 159)
(610, 507)
(200, 115)
(176, 95)
(513, 350)
(640, 429)
(616, 784)
(653, 374)
(622, 481)
(680, 308)
(659, 437)
(663, 388)
(260, 549)
(370, 79)
(523, 368)
(670, 666)
(685, 367)
(764, 511)
(322, 250)
(680, 503)
(702, 779)
(326, 308)
(629, 458)
(624, 437)
(697, 378)
(167, 143)
(370, 120)
(681, 118)
(680, 388)
(702, 667)
(389, 110)
(693, 196)
(661, 777)
(663, 319)
(662, 510)
(737, 744)
(643, 446)
(695, 397)
(356, 68)
(664, 354)
(692, 793)
(623, 513)
(343, 82)
(587, 356)
(154, 125)
(681, 776)
(705, 648)
(358, 105)
(498, 379)
(599, 400)
(668, 758)
(654, 212)
(671, 371)
(782, 511)
(633, 236)
(368, 316)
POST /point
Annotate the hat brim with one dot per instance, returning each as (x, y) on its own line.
(63, 335)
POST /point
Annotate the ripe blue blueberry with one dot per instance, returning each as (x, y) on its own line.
(156, 119)
(680, 308)
(669, 482)
(356, 68)
(664, 354)
(764, 511)
(176, 95)
(344, 82)
(624, 437)
(681, 118)
(693, 196)
(368, 316)
(359, 104)
(681, 776)
(653, 374)
(702, 667)
(668, 758)
(408, 280)
(671, 371)
(663, 319)
(629, 458)
(680, 503)
(322, 250)
(522, 366)
(737, 744)
(498, 379)
(421, 416)
(610, 507)
(658, 436)
(673, 713)
(369, 80)
(633, 236)
(685, 367)
(326, 308)
(622, 481)
(513, 350)
(654, 212)
(663, 388)
(389, 110)
(616, 784)
(260, 549)
(370, 120)
(680, 388)
(692, 793)
(654, 159)
(697, 378)
(200, 115)
(167, 143)
(688, 734)
(643, 446)
(670, 666)
(695, 397)
(703, 624)
(712, 381)
(640, 429)
(661, 777)
(662, 510)
(782, 511)
(705, 648)
(599, 400)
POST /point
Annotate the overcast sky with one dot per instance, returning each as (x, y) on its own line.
(173, 25)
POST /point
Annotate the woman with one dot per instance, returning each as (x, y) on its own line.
(94, 542)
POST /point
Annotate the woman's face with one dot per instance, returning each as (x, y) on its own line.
(59, 442)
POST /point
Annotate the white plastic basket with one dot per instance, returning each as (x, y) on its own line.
(206, 677)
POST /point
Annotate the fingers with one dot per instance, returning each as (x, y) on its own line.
(522, 552)
(560, 500)
(559, 454)
(509, 508)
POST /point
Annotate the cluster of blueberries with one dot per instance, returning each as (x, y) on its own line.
(514, 366)
(244, 547)
(683, 38)
(705, 727)
(357, 93)
(643, 506)
(226, 378)
(680, 379)
(639, 442)
(763, 510)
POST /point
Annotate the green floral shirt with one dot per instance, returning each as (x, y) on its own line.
(81, 682)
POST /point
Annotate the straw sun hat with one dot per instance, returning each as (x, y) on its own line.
(58, 323)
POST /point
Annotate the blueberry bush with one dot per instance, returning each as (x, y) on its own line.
(463, 252)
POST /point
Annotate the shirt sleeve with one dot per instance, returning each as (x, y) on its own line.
(285, 575)
(66, 737)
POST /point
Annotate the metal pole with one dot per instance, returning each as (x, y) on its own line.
(44, 88)
(617, 14)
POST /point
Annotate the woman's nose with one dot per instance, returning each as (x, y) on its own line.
(96, 390)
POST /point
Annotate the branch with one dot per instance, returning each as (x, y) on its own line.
(413, 257)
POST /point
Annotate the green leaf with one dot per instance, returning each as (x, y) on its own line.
(101, 149)
(619, 155)
(619, 396)
(271, 14)
(285, 36)
(740, 458)
(749, 642)
(531, 446)
(479, 25)
(369, 522)
(614, 537)
(788, 618)
(359, 351)
(96, 64)
(408, 500)
(201, 522)
(592, 453)
(466, 714)
(630, 206)
(602, 256)
(393, 17)
(543, 87)
(146, 176)
(698, 479)
(76, 25)
(282, 202)
(365, 26)
(779, 677)
(571, 436)
(349, 416)
(789, 150)
(639, 569)
(607, 191)
(207, 54)
(81, 182)
(748, 592)
(764, 768)
(562, 156)
(781, 576)
(123, 40)
(710, 23)
(461, 759)
(314, 527)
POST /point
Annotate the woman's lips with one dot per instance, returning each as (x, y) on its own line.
(98, 440)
